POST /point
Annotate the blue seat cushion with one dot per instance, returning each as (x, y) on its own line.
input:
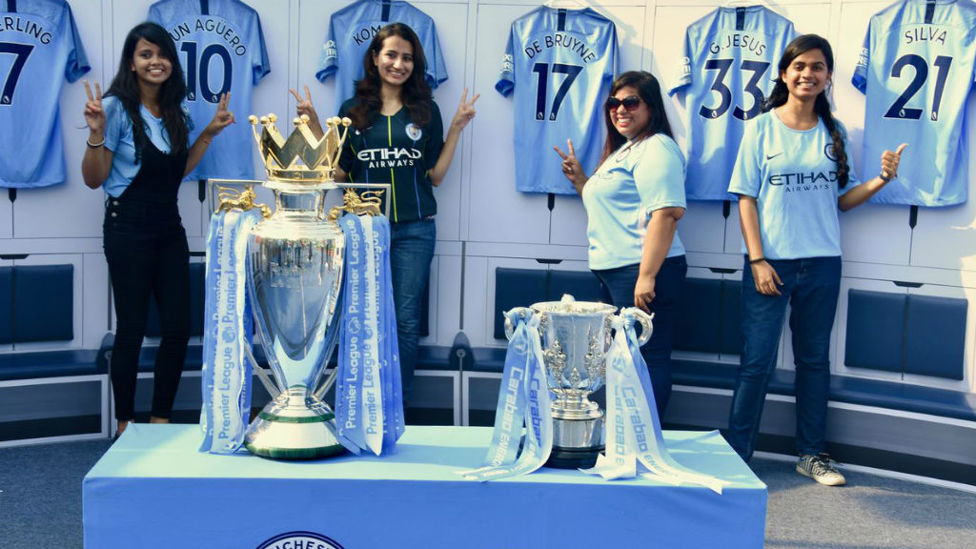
(43, 303)
(43, 364)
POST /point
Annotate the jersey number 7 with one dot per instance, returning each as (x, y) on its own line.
(21, 53)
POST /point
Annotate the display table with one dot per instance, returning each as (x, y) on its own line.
(154, 489)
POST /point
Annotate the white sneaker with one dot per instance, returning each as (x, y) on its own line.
(821, 469)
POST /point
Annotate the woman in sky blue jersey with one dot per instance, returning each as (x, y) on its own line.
(397, 137)
(792, 174)
(138, 151)
(633, 203)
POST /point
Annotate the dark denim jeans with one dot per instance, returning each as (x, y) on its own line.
(810, 287)
(411, 249)
(618, 286)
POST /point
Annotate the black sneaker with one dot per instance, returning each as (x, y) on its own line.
(821, 469)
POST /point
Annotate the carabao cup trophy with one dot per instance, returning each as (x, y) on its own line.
(576, 336)
(295, 262)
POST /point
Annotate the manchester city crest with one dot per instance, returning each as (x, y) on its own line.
(300, 539)
(414, 132)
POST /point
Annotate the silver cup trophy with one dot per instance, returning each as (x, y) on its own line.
(295, 261)
(575, 337)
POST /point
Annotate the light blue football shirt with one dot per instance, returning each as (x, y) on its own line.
(637, 179)
(222, 49)
(39, 49)
(560, 64)
(793, 177)
(726, 73)
(120, 139)
(916, 70)
(351, 30)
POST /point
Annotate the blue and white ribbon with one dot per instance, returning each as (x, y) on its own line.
(226, 375)
(633, 427)
(369, 400)
(523, 399)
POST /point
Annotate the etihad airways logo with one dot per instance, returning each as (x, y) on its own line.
(389, 158)
(800, 181)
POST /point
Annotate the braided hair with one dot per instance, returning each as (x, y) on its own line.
(821, 105)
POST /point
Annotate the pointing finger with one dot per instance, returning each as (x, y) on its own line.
(295, 94)
(98, 92)
(308, 94)
(560, 153)
(88, 91)
(572, 150)
(473, 99)
(464, 96)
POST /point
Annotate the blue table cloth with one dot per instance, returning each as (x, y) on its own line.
(154, 489)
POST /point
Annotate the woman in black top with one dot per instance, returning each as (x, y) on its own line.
(397, 137)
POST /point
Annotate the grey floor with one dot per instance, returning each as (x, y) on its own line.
(40, 505)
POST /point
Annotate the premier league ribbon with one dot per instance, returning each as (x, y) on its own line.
(633, 427)
(226, 375)
(523, 399)
(369, 400)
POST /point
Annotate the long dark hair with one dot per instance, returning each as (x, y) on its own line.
(126, 88)
(415, 94)
(821, 105)
(649, 91)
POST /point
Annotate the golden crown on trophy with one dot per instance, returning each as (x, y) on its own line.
(302, 157)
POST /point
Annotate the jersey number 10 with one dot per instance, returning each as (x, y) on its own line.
(198, 70)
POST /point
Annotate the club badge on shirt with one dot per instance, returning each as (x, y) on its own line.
(414, 132)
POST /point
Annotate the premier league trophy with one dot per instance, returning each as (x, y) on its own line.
(295, 263)
(576, 336)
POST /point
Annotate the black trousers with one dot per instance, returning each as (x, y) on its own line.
(147, 256)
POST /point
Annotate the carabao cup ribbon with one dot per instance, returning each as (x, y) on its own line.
(369, 398)
(226, 376)
(633, 428)
(523, 399)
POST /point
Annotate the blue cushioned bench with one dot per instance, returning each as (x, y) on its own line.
(46, 394)
(912, 334)
(37, 305)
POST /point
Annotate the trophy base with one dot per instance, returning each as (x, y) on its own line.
(285, 430)
(573, 458)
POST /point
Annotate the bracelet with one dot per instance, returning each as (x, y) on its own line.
(757, 260)
(94, 145)
(882, 177)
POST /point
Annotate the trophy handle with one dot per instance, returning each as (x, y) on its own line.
(269, 385)
(633, 314)
(522, 312)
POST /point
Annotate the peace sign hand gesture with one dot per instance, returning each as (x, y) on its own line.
(222, 118)
(571, 166)
(94, 114)
(306, 108)
(465, 111)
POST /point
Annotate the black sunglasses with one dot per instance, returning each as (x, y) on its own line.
(630, 103)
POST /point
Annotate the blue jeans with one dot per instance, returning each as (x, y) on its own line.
(810, 287)
(411, 249)
(618, 286)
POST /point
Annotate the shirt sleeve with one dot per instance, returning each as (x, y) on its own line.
(260, 65)
(660, 175)
(682, 74)
(860, 78)
(747, 173)
(115, 122)
(506, 77)
(852, 178)
(329, 59)
(436, 70)
(435, 137)
(77, 64)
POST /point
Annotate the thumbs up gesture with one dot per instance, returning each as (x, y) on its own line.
(889, 163)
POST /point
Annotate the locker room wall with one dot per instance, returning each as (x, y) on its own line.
(483, 222)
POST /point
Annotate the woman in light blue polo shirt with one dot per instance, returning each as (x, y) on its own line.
(138, 152)
(633, 203)
(792, 174)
